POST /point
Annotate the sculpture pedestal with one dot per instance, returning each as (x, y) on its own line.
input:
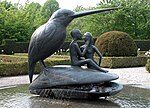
(66, 81)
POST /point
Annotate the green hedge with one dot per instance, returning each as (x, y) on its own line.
(21, 68)
(144, 45)
(121, 62)
(116, 43)
(10, 46)
(12, 58)
(148, 65)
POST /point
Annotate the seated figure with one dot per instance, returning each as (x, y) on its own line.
(91, 49)
(76, 54)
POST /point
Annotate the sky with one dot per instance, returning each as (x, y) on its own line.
(67, 4)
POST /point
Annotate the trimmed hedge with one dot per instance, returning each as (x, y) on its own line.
(148, 65)
(122, 62)
(10, 45)
(14, 58)
(13, 69)
(116, 43)
(144, 45)
(21, 68)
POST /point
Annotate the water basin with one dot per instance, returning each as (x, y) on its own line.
(19, 97)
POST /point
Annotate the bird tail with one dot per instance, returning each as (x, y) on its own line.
(31, 67)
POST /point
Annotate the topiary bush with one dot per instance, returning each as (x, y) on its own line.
(116, 43)
(148, 65)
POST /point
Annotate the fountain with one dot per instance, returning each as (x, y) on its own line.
(19, 97)
(83, 78)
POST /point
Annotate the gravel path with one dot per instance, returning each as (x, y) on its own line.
(135, 76)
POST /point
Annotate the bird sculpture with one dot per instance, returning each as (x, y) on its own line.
(49, 37)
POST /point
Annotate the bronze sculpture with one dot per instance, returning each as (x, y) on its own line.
(68, 81)
(88, 50)
(49, 37)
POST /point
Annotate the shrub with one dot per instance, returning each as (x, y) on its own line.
(116, 43)
(21, 67)
(144, 45)
(148, 65)
(122, 62)
(13, 68)
(14, 58)
(10, 46)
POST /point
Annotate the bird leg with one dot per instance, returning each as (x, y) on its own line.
(43, 66)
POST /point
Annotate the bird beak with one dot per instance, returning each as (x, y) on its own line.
(80, 14)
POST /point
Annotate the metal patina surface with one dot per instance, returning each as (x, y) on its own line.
(68, 81)
(49, 37)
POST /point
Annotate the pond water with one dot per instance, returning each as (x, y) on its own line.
(19, 97)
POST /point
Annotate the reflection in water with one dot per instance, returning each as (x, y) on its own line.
(19, 97)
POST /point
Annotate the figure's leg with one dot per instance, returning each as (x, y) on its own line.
(90, 66)
(94, 65)
(90, 63)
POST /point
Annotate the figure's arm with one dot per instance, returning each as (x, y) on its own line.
(85, 48)
(97, 51)
(78, 49)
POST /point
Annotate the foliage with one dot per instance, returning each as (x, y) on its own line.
(148, 65)
(50, 6)
(132, 17)
(19, 22)
(116, 43)
(122, 62)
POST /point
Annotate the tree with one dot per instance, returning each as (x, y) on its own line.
(132, 17)
(6, 5)
(50, 6)
(33, 14)
(19, 22)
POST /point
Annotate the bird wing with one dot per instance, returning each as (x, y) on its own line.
(40, 37)
(46, 35)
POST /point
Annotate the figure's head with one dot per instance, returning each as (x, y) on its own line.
(76, 34)
(88, 37)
